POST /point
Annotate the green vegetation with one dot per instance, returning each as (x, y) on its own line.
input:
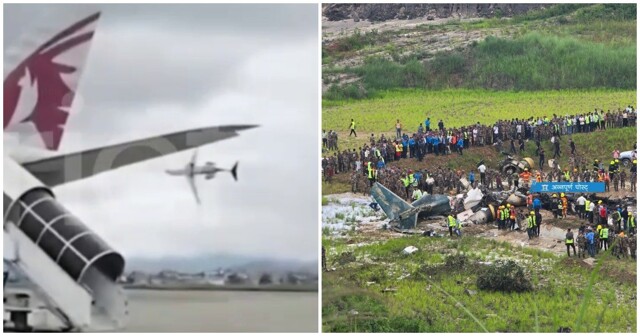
(378, 289)
(568, 46)
(552, 63)
(463, 107)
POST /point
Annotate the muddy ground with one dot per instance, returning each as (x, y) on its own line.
(363, 224)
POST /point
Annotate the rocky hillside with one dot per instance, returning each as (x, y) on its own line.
(384, 12)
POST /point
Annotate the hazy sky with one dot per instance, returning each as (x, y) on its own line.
(160, 68)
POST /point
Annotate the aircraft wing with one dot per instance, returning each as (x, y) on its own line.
(192, 183)
(58, 170)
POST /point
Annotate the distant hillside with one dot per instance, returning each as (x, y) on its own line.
(495, 47)
(210, 262)
(384, 12)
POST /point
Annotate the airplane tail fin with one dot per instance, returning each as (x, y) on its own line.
(395, 207)
(41, 79)
(234, 171)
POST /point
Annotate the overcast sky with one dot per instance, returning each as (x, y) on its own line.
(155, 69)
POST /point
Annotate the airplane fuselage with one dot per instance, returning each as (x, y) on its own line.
(195, 170)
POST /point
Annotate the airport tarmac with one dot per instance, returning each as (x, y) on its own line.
(221, 311)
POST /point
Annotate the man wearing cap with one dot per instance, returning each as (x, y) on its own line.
(604, 237)
(531, 224)
(555, 205)
(565, 205)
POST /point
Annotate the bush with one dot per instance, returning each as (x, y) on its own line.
(504, 277)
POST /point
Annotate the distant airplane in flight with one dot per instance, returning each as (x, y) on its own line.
(209, 171)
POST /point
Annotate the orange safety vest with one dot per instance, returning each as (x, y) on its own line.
(538, 178)
(525, 176)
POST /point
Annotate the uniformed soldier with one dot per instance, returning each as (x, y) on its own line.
(582, 245)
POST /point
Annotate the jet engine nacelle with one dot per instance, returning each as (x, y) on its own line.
(90, 262)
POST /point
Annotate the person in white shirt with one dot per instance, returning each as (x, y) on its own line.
(592, 207)
(580, 205)
(482, 169)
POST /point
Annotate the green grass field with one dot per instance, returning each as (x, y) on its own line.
(462, 107)
(429, 293)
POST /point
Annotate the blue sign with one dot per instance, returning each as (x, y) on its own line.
(567, 187)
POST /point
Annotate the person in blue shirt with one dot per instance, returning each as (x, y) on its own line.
(412, 147)
(537, 204)
(435, 141)
(427, 124)
(417, 176)
(591, 243)
(380, 164)
(460, 145)
(405, 145)
(472, 177)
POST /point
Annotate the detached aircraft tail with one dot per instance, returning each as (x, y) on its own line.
(395, 207)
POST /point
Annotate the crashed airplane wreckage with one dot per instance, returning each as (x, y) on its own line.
(477, 205)
(405, 214)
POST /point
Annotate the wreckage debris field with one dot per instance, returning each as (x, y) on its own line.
(372, 286)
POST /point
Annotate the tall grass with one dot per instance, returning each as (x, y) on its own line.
(532, 62)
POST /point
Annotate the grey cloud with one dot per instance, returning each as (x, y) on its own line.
(226, 65)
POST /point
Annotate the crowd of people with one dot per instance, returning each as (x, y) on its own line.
(368, 164)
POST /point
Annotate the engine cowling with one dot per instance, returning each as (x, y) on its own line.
(32, 207)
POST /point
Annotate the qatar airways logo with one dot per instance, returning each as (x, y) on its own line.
(40, 90)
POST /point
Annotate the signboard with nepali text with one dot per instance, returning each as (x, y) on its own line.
(567, 187)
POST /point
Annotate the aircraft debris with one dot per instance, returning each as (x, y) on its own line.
(409, 250)
(398, 210)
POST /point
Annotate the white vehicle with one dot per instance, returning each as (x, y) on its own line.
(627, 157)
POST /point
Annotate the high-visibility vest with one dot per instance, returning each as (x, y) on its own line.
(466, 135)
(411, 179)
(452, 221)
(370, 170)
(353, 125)
(405, 181)
(532, 221)
(398, 148)
(538, 178)
(567, 176)
(604, 233)
(568, 241)
(632, 221)
(587, 203)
